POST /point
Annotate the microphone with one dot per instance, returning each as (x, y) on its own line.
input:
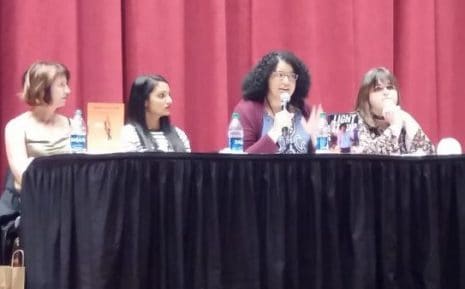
(285, 97)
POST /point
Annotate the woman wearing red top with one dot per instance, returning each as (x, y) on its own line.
(261, 115)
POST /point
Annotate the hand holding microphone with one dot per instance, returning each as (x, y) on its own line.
(285, 97)
(282, 119)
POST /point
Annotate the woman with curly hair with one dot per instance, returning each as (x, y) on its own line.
(269, 127)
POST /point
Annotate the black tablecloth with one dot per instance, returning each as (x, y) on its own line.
(244, 221)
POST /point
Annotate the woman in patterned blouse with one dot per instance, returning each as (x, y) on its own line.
(385, 128)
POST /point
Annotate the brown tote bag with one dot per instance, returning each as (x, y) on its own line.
(13, 276)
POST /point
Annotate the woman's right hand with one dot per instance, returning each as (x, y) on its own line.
(394, 115)
(391, 112)
(282, 119)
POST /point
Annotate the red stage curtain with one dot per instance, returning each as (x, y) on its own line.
(205, 47)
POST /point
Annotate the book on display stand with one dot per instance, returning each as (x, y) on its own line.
(344, 128)
(104, 124)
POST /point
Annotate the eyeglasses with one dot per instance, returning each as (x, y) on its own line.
(291, 76)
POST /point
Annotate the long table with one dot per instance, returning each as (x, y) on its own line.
(151, 220)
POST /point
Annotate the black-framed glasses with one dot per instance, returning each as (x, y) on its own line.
(291, 76)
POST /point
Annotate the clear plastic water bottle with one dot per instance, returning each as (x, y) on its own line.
(78, 137)
(235, 135)
(322, 139)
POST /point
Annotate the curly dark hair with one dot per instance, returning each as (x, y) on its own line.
(255, 84)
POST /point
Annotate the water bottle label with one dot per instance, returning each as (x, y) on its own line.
(322, 143)
(78, 143)
(236, 144)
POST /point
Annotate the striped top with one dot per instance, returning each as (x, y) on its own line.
(130, 140)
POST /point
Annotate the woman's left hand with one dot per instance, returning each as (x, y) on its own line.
(311, 124)
(410, 124)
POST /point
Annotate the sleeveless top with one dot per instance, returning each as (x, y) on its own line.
(44, 146)
(10, 201)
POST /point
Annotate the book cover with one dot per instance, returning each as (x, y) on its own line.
(104, 123)
(343, 131)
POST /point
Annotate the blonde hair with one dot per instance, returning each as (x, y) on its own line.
(38, 79)
(372, 78)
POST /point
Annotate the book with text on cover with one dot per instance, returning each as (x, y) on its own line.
(344, 128)
(104, 124)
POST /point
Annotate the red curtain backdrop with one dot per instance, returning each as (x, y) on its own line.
(205, 48)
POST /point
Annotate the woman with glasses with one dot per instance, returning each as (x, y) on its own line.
(385, 128)
(149, 127)
(273, 112)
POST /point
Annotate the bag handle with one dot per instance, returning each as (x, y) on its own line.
(19, 254)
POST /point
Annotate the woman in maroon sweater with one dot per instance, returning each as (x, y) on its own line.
(268, 128)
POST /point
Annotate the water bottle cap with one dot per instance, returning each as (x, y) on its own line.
(235, 115)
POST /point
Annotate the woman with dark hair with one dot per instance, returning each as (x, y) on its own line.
(268, 126)
(149, 127)
(384, 127)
